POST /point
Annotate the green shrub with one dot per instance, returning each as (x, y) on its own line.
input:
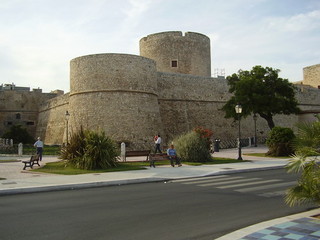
(75, 148)
(191, 147)
(280, 142)
(100, 152)
(90, 150)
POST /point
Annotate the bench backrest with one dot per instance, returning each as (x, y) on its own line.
(35, 157)
(138, 153)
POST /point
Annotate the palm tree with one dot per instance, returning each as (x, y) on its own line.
(306, 161)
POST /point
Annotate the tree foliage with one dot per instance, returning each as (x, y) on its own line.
(261, 91)
(18, 134)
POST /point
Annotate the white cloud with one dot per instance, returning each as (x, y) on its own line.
(303, 22)
(137, 8)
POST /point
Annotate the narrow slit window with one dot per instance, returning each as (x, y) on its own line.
(174, 63)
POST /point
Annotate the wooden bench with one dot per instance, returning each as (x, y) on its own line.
(157, 157)
(140, 153)
(34, 159)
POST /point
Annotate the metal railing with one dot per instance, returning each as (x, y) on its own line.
(245, 142)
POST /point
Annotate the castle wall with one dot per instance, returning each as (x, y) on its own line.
(191, 52)
(52, 123)
(118, 94)
(20, 106)
(188, 101)
(183, 102)
(311, 75)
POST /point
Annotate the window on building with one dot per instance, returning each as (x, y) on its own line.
(9, 123)
(18, 116)
(30, 123)
(174, 63)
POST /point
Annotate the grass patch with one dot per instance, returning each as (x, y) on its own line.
(9, 160)
(61, 167)
(47, 150)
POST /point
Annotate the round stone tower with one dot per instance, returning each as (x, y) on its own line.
(173, 52)
(116, 93)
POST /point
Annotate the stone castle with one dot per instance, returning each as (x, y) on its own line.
(168, 89)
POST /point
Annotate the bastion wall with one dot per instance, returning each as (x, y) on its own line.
(51, 125)
(117, 93)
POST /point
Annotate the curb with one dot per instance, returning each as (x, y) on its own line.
(78, 186)
(238, 234)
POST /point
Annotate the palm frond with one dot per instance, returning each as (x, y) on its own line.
(296, 164)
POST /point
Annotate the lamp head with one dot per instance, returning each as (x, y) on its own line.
(238, 108)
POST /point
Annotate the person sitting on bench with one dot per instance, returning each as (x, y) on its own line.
(172, 154)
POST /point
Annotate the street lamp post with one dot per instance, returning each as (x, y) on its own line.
(238, 109)
(67, 115)
(255, 117)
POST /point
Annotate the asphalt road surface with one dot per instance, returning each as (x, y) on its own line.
(198, 208)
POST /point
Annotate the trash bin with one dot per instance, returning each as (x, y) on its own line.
(217, 145)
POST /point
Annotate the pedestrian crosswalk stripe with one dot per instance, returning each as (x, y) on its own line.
(249, 183)
(225, 182)
(272, 194)
(241, 184)
(200, 178)
(220, 180)
(276, 185)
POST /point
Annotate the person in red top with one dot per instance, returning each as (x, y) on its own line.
(158, 142)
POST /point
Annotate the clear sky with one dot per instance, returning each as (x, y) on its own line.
(38, 38)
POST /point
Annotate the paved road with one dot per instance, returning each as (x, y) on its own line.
(202, 208)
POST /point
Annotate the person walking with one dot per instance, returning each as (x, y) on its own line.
(39, 145)
(158, 142)
(172, 154)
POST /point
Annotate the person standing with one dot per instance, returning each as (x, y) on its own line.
(39, 145)
(172, 154)
(158, 142)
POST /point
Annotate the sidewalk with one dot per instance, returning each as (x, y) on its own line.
(19, 181)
